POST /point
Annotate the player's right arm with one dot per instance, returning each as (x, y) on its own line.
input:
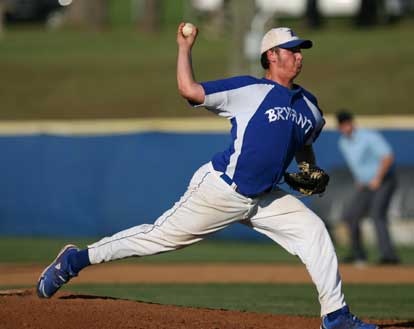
(187, 86)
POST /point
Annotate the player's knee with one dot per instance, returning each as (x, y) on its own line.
(177, 239)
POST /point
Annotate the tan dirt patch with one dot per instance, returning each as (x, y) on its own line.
(22, 309)
(207, 273)
(67, 311)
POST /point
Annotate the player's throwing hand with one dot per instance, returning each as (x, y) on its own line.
(185, 39)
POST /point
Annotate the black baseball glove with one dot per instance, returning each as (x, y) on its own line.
(309, 180)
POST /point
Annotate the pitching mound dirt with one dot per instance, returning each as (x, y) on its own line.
(23, 309)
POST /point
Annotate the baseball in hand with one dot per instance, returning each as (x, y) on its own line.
(188, 29)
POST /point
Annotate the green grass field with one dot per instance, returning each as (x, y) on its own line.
(121, 73)
(387, 301)
(370, 301)
(375, 301)
(42, 250)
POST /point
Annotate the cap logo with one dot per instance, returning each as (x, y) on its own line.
(290, 31)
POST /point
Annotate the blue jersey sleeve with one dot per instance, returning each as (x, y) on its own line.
(219, 94)
(312, 102)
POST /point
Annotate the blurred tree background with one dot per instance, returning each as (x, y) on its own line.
(116, 58)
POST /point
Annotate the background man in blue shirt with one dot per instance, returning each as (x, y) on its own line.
(370, 159)
(272, 121)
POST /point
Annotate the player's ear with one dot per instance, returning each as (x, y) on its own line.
(272, 55)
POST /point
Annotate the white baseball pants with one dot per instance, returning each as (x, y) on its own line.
(209, 205)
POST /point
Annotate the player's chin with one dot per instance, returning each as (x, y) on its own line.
(297, 71)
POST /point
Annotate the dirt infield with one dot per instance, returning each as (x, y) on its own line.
(207, 273)
(22, 308)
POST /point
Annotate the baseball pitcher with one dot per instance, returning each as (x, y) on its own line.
(273, 122)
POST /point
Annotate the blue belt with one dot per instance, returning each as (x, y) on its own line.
(228, 180)
(233, 185)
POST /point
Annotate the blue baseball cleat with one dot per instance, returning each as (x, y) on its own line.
(56, 274)
(345, 320)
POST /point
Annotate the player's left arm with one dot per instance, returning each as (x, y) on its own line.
(310, 179)
(383, 149)
(385, 165)
(306, 154)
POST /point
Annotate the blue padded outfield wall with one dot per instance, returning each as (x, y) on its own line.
(95, 186)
